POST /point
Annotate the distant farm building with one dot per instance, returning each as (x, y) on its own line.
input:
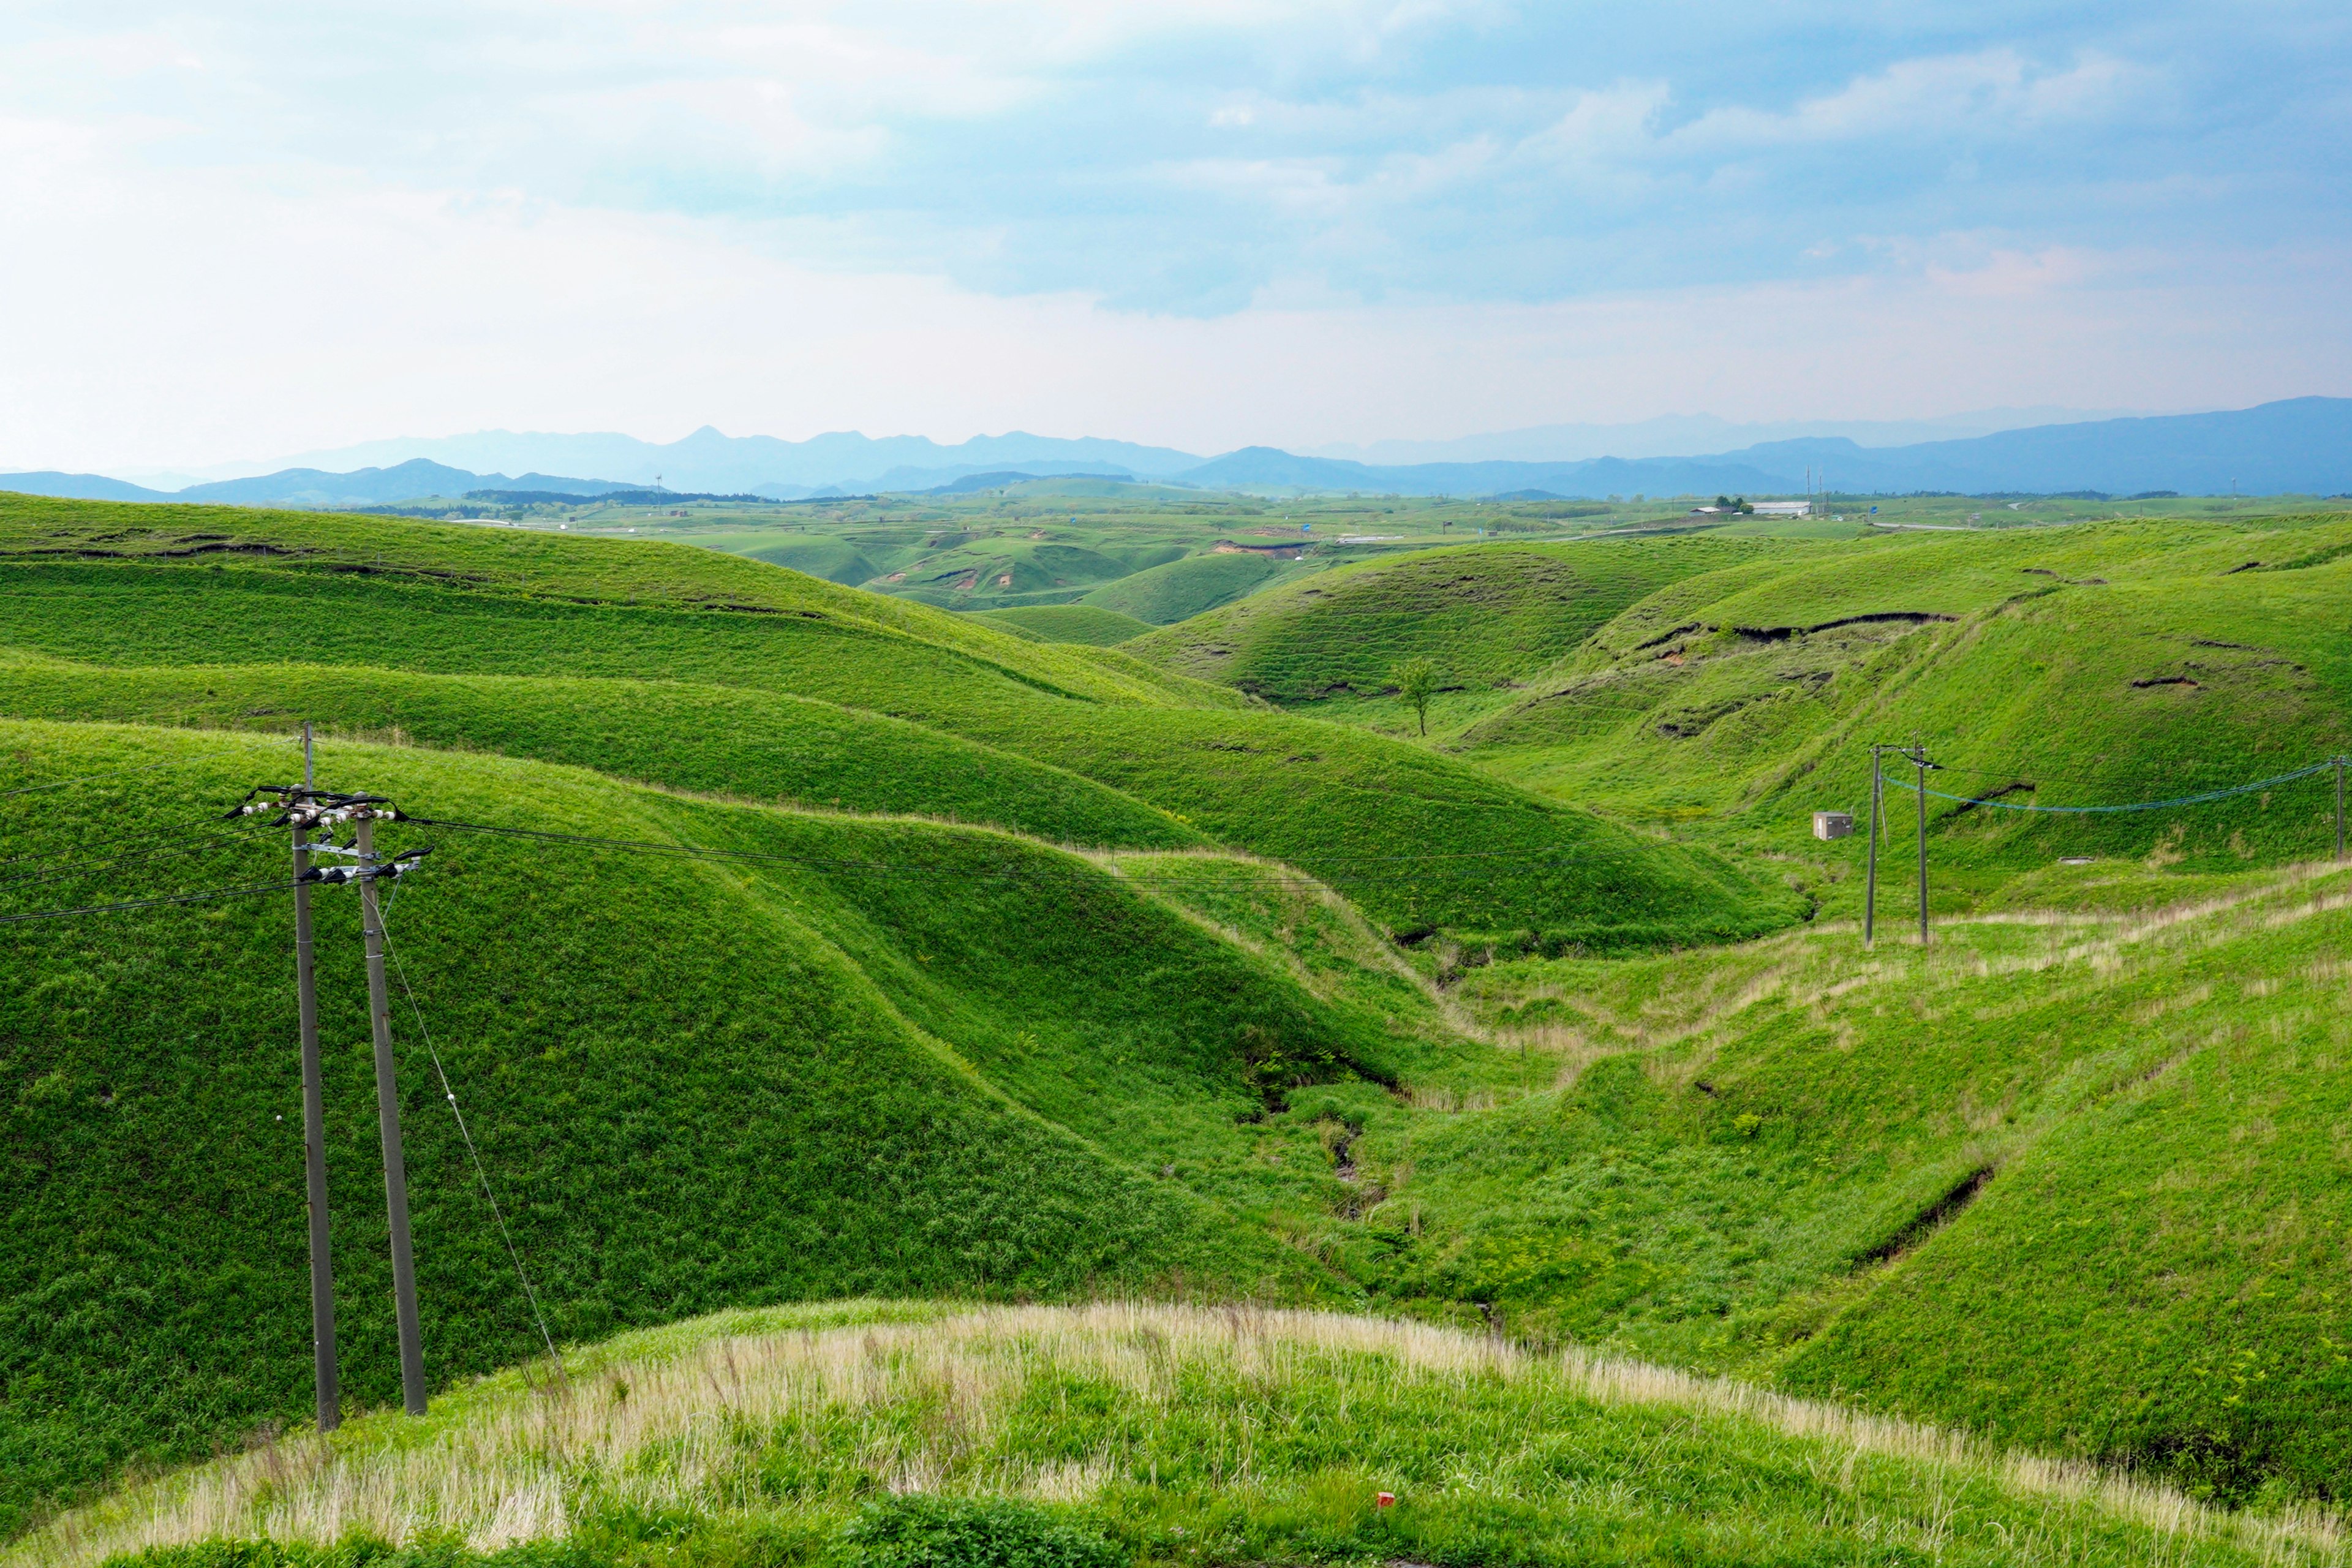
(1784, 509)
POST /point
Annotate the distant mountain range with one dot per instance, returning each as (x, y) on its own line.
(2301, 446)
(708, 461)
(1671, 435)
(310, 487)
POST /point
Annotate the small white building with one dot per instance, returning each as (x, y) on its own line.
(1832, 824)
(1784, 509)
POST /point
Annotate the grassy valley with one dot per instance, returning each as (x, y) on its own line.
(1033, 955)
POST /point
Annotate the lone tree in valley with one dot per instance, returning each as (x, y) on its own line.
(1416, 682)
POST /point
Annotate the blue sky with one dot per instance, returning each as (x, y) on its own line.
(244, 228)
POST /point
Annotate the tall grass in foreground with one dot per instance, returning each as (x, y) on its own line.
(1187, 1435)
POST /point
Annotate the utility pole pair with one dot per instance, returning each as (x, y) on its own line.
(1917, 753)
(306, 809)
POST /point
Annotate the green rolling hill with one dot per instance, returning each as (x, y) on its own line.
(1087, 624)
(1038, 968)
(1157, 596)
(1488, 615)
(875, 1059)
(1419, 840)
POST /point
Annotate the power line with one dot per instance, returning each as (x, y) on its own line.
(86, 869)
(118, 772)
(2019, 774)
(252, 891)
(2209, 795)
(465, 1133)
(65, 852)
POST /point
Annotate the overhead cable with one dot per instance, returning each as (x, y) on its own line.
(252, 891)
(118, 772)
(450, 1095)
(2209, 795)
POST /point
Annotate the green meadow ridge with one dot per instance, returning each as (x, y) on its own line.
(253, 588)
(1176, 969)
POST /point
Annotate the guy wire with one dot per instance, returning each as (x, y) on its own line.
(401, 971)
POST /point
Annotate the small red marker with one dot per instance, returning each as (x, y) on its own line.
(1385, 1500)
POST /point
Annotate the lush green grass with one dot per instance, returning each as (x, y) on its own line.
(1160, 595)
(1487, 614)
(1070, 1440)
(1421, 841)
(1219, 1077)
(835, 558)
(304, 554)
(886, 1059)
(2119, 663)
(1089, 624)
(1011, 571)
(765, 746)
(1737, 1146)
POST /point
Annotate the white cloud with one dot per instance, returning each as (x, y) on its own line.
(1606, 125)
(330, 316)
(264, 226)
(1990, 90)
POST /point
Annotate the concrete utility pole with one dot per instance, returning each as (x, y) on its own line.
(1919, 760)
(1917, 753)
(1870, 875)
(314, 1123)
(387, 1109)
(307, 809)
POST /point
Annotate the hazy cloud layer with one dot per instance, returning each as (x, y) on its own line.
(1072, 214)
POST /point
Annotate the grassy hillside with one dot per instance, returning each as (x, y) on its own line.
(880, 1058)
(1487, 614)
(726, 740)
(2105, 663)
(1313, 1013)
(1089, 624)
(1160, 595)
(2075, 1182)
(1419, 839)
(1007, 571)
(2117, 663)
(1124, 1434)
(820, 555)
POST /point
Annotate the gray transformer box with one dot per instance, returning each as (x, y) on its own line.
(1832, 824)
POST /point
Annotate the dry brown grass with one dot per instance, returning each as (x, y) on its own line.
(665, 1425)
